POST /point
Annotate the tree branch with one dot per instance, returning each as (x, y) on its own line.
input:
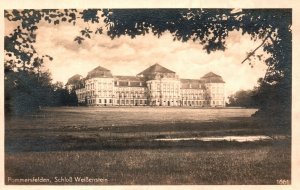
(272, 39)
(253, 52)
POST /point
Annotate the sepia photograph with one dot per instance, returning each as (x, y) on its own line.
(148, 96)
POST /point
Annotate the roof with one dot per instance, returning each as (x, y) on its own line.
(156, 68)
(99, 72)
(212, 78)
(191, 84)
(210, 74)
(128, 78)
(132, 81)
(74, 79)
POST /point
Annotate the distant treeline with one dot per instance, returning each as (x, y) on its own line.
(272, 100)
(28, 91)
(243, 98)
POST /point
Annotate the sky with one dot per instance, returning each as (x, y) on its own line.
(126, 56)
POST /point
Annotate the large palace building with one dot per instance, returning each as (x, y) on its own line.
(155, 86)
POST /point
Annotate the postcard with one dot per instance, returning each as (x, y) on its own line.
(149, 96)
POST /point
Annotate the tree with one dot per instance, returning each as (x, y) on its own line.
(60, 96)
(209, 27)
(26, 91)
(26, 87)
(207, 96)
(243, 98)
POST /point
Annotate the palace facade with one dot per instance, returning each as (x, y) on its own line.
(155, 86)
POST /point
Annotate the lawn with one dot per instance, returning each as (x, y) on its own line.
(117, 144)
(230, 165)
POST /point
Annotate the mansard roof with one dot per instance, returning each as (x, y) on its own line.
(191, 84)
(99, 72)
(156, 68)
(128, 78)
(75, 79)
(212, 78)
(132, 81)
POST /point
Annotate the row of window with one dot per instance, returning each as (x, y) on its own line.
(180, 102)
(191, 102)
(177, 98)
(163, 85)
(190, 97)
(117, 83)
(100, 101)
(130, 93)
(192, 91)
(144, 102)
(129, 89)
(131, 96)
(83, 95)
(175, 95)
(131, 102)
(122, 102)
(164, 89)
(104, 85)
(191, 94)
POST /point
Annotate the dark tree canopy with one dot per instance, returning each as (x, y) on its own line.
(243, 98)
(209, 27)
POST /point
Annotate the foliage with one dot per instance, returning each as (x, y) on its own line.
(26, 92)
(26, 87)
(62, 97)
(19, 45)
(207, 96)
(242, 98)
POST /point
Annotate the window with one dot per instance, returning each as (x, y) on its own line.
(110, 100)
(99, 101)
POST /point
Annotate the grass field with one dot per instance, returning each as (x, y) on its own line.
(118, 144)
